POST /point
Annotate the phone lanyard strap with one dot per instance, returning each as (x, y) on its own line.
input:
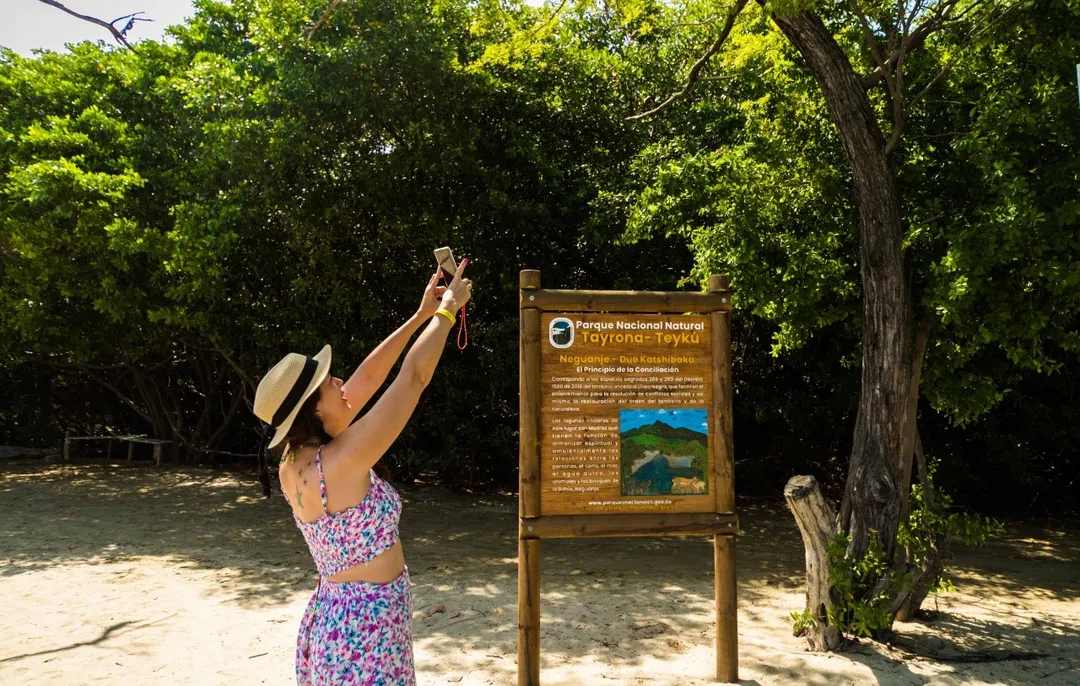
(463, 330)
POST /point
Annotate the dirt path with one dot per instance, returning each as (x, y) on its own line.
(121, 574)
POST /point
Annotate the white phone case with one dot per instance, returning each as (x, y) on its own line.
(445, 259)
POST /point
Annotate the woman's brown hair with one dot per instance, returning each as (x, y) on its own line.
(306, 428)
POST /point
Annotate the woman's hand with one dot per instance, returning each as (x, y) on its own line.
(433, 295)
(459, 291)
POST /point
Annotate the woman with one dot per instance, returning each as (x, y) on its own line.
(357, 628)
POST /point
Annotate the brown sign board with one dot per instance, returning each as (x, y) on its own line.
(625, 414)
(625, 430)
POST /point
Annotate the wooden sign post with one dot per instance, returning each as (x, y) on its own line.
(626, 430)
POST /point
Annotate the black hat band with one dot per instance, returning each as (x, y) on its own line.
(289, 403)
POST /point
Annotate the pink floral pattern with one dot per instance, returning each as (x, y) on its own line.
(354, 535)
(357, 634)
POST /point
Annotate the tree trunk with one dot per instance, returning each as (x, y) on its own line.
(910, 604)
(238, 400)
(817, 524)
(918, 357)
(924, 470)
(872, 498)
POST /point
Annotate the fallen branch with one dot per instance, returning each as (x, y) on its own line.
(908, 652)
(1000, 656)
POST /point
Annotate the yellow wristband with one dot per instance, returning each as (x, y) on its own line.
(448, 314)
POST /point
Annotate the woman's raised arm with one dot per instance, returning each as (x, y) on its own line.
(368, 438)
(372, 372)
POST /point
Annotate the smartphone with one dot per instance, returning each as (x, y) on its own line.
(445, 258)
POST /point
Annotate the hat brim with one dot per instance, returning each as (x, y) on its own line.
(323, 368)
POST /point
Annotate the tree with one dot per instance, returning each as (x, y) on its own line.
(86, 190)
(760, 193)
(248, 204)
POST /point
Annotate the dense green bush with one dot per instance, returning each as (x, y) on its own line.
(173, 220)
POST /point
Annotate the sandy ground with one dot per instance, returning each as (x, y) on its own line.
(112, 573)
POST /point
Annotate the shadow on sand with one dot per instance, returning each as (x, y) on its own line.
(657, 593)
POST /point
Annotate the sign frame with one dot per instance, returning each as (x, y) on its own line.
(722, 524)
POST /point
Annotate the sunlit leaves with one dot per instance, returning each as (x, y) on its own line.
(748, 171)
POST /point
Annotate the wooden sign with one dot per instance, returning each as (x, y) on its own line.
(625, 413)
(625, 430)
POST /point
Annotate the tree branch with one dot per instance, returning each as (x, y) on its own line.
(238, 400)
(109, 386)
(871, 43)
(554, 15)
(324, 16)
(695, 70)
(9, 253)
(902, 40)
(893, 81)
(895, 34)
(120, 35)
(704, 22)
(942, 19)
(952, 58)
(236, 368)
(913, 41)
(941, 15)
(152, 397)
(99, 367)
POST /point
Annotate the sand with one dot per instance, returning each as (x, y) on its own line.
(116, 573)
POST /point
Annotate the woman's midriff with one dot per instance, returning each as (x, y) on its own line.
(383, 568)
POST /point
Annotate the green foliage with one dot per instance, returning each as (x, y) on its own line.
(629, 451)
(999, 242)
(752, 176)
(645, 440)
(78, 247)
(861, 588)
(184, 215)
(749, 172)
(929, 524)
(802, 622)
(174, 220)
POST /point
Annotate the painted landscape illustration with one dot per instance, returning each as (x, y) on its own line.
(664, 451)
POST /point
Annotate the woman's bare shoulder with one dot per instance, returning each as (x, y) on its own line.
(338, 464)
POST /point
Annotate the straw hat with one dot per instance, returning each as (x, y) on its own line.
(286, 387)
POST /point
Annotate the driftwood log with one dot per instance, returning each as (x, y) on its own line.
(817, 524)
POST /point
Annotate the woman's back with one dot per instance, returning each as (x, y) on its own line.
(351, 530)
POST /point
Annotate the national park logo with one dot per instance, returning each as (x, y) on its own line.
(561, 333)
